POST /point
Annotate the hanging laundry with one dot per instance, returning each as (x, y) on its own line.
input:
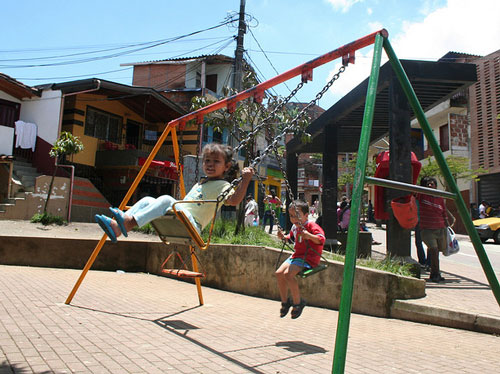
(150, 135)
(26, 133)
(19, 132)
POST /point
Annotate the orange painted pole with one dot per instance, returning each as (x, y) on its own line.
(195, 269)
(124, 202)
(305, 70)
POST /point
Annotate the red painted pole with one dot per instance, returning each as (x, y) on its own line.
(305, 70)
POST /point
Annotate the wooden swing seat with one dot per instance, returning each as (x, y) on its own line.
(183, 273)
(175, 228)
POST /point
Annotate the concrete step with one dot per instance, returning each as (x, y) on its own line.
(22, 162)
(28, 181)
(24, 169)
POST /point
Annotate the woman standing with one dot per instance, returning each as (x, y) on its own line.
(433, 222)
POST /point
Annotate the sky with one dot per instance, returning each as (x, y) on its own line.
(54, 41)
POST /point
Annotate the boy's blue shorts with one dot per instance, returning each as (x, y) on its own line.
(298, 262)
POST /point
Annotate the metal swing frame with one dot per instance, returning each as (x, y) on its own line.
(257, 92)
(380, 40)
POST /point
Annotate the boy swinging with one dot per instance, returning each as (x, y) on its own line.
(309, 240)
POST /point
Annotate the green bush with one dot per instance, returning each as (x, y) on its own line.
(223, 233)
(146, 229)
(253, 235)
(48, 219)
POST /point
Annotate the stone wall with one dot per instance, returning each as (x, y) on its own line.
(238, 268)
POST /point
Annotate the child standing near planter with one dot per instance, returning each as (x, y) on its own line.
(309, 240)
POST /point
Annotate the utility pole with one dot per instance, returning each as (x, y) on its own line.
(238, 54)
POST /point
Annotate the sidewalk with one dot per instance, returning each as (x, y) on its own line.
(140, 323)
(464, 300)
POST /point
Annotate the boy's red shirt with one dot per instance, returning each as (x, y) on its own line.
(313, 254)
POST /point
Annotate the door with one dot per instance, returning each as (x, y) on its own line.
(133, 133)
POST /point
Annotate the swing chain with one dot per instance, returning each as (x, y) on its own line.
(271, 115)
(292, 126)
(180, 163)
(288, 188)
(198, 151)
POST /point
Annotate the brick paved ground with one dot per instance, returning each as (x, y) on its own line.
(140, 323)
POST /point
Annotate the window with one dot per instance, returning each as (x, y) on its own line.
(444, 139)
(211, 82)
(198, 80)
(217, 136)
(212, 135)
(103, 125)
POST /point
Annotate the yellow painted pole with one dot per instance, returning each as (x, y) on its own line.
(195, 268)
(123, 204)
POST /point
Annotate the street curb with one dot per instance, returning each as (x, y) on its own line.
(410, 311)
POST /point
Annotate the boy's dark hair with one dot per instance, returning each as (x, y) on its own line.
(301, 205)
(424, 182)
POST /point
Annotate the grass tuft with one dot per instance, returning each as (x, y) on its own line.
(48, 219)
(223, 233)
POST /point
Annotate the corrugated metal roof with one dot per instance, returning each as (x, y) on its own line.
(207, 58)
(452, 56)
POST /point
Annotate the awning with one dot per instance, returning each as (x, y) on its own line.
(162, 169)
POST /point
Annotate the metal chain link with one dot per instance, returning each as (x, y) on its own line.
(271, 115)
(292, 126)
(179, 164)
(198, 151)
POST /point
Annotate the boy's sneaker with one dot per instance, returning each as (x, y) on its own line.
(285, 307)
(297, 309)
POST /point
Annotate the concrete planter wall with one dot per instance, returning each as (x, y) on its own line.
(238, 268)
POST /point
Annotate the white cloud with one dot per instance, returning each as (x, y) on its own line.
(343, 5)
(460, 26)
(369, 11)
(375, 26)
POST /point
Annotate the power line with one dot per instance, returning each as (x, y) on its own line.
(74, 76)
(285, 53)
(264, 78)
(144, 46)
(217, 50)
(108, 45)
(265, 55)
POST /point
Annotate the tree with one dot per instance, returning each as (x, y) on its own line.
(245, 119)
(346, 178)
(65, 145)
(459, 169)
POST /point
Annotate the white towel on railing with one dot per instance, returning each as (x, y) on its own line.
(26, 135)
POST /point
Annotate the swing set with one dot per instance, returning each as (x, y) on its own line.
(176, 228)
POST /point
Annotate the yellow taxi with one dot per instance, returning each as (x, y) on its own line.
(488, 228)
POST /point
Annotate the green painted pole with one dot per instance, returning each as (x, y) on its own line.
(459, 201)
(339, 356)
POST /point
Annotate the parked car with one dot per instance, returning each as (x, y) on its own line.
(488, 228)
